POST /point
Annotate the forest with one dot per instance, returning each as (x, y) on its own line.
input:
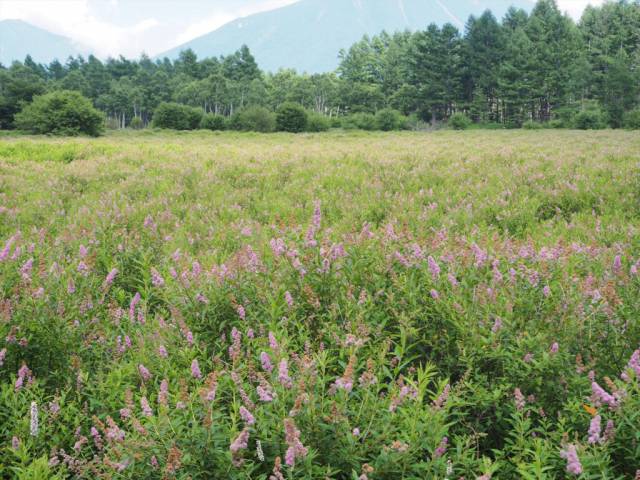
(540, 67)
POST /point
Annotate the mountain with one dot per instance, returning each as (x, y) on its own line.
(19, 39)
(308, 35)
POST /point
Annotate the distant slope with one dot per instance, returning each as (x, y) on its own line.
(19, 39)
(308, 35)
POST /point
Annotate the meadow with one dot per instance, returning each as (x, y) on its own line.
(345, 305)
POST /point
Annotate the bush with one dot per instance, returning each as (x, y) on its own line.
(61, 113)
(318, 123)
(389, 119)
(176, 116)
(136, 123)
(531, 125)
(459, 121)
(254, 119)
(212, 121)
(291, 117)
(631, 120)
(590, 119)
(361, 121)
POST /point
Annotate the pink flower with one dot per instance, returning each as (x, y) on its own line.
(573, 462)
(241, 313)
(595, 428)
(162, 351)
(266, 362)
(241, 442)
(601, 397)
(283, 374)
(546, 291)
(554, 348)
(519, 399)
(442, 399)
(144, 373)
(246, 416)
(288, 298)
(195, 369)
(3, 355)
(273, 343)
(111, 277)
(434, 268)
(292, 437)
(146, 408)
(434, 294)
(156, 278)
(442, 448)
(265, 394)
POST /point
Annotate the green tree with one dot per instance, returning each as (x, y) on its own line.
(60, 113)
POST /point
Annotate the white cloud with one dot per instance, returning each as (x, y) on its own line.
(74, 19)
(576, 7)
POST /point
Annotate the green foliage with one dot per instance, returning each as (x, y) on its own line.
(177, 117)
(459, 121)
(214, 122)
(389, 119)
(318, 123)
(291, 117)
(254, 119)
(632, 119)
(60, 113)
(136, 123)
(591, 118)
(531, 125)
(359, 121)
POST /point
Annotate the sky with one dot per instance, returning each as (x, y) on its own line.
(130, 27)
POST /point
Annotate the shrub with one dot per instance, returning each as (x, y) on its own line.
(531, 125)
(632, 119)
(176, 117)
(291, 117)
(459, 121)
(361, 121)
(212, 121)
(136, 123)
(590, 119)
(318, 123)
(61, 113)
(389, 119)
(254, 119)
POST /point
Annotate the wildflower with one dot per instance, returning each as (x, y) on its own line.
(4, 253)
(264, 359)
(595, 429)
(132, 306)
(113, 432)
(573, 462)
(528, 358)
(609, 432)
(346, 381)
(292, 437)
(434, 268)
(273, 343)
(259, 452)
(439, 402)
(633, 365)
(246, 416)
(195, 369)
(110, 277)
(33, 426)
(97, 439)
(519, 399)
(83, 269)
(434, 294)
(546, 291)
(15, 443)
(241, 312)
(265, 394)
(25, 270)
(355, 432)
(442, 448)
(288, 298)
(277, 473)
(144, 373)
(125, 413)
(154, 462)
(146, 408)
(554, 348)
(156, 278)
(497, 325)
(283, 374)
(3, 355)
(481, 255)
(600, 396)
(162, 351)
(241, 442)
(617, 264)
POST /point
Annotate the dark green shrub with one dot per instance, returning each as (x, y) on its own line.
(590, 119)
(61, 113)
(291, 117)
(459, 121)
(556, 123)
(211, 121)
(177, 117)
(136, 123)
(632, 119)
(389, 119)
(318, 123)
(531, 125)
(359, 121)
(254, 119)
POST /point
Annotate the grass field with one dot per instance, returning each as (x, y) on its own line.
(341, 305)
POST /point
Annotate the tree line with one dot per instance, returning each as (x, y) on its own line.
(527, 67)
